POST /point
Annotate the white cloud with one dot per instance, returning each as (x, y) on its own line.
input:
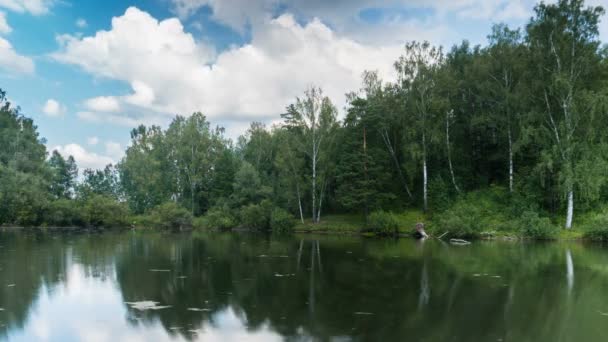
(81, 23)
(84, 159)
(53, 108)
(340, 13)
(35, 7)
(93, 141)
(4, 27)
(103, 104)
(13, 62)
(114, 150)
(171, 73)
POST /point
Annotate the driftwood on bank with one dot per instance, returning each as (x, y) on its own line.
(459, 242)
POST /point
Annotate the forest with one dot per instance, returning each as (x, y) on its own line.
(503, 138)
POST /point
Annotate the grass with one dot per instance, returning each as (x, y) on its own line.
(353, 223)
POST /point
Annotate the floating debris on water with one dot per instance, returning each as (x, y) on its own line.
(199, 309)
(363, 313)
(284, 275)
(602, 313)
(147, 305)
(10, 285)
(159, 270)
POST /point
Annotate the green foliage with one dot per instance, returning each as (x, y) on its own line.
(218, 217)
(535, 227)
(281, 221)
(383, 223)
(256, 216)
(63, 213)
(104, 211)
(473, 214)
(171, 216)
(597, 228)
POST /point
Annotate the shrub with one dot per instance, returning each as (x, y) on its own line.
(462, 220)
(170, 216)
(104, 211)
(219, 217)
(535, 227)
(63, 213)
(383, 223)
(597, 229)
(281, 221)
(256, 216)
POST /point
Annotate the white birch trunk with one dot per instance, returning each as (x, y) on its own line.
(314, 179)
(570, 212)
(424, 175)
(510, 161)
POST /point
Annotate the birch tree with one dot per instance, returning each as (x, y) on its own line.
(564, 41)
(313, 120)
(417, 69)
(505, 55)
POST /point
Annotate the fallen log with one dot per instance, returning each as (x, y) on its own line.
(459, 242)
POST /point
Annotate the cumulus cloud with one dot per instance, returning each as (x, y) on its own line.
(103, 104)
(35, 7)
(4, 27)
(343, 13)
(12, 62)
(84, 159)
(171, 73)
(53, 108)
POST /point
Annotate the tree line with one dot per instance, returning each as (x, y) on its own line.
(526, 112)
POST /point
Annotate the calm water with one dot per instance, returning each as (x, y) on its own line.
(233, 287)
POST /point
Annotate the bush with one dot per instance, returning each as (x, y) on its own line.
(281, 221)
(597, 229)
(104, 211)
(256, 216)
(535, 227)
(219, 217)
(63, 213)
(462, 220)
(383, 223)
(170, 216)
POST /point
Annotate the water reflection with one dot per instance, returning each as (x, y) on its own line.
(155, 287)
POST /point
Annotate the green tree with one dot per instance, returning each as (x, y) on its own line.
(564, 44)
(417, 70)
(64, 174)
(313, 121)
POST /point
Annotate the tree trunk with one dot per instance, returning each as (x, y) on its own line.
(300, 202)
(570, 212)
(510, 159)
(391, 150)
(424, 175)
(447, 141)
(314, 181)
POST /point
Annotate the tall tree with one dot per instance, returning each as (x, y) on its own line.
(564, 41)
(64, 174)
(313, 119)
(417, 69)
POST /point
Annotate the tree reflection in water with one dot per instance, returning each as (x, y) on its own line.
(237, 286)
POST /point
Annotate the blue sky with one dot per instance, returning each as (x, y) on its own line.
(89, 71)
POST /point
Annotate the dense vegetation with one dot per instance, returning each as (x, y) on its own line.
(504, 137)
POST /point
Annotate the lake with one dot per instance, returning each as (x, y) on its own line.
(134, 286)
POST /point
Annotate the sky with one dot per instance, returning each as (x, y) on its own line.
(88, 72)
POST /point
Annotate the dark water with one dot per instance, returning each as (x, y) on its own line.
(236, 287)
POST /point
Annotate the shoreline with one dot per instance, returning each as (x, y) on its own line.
(326, 232)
